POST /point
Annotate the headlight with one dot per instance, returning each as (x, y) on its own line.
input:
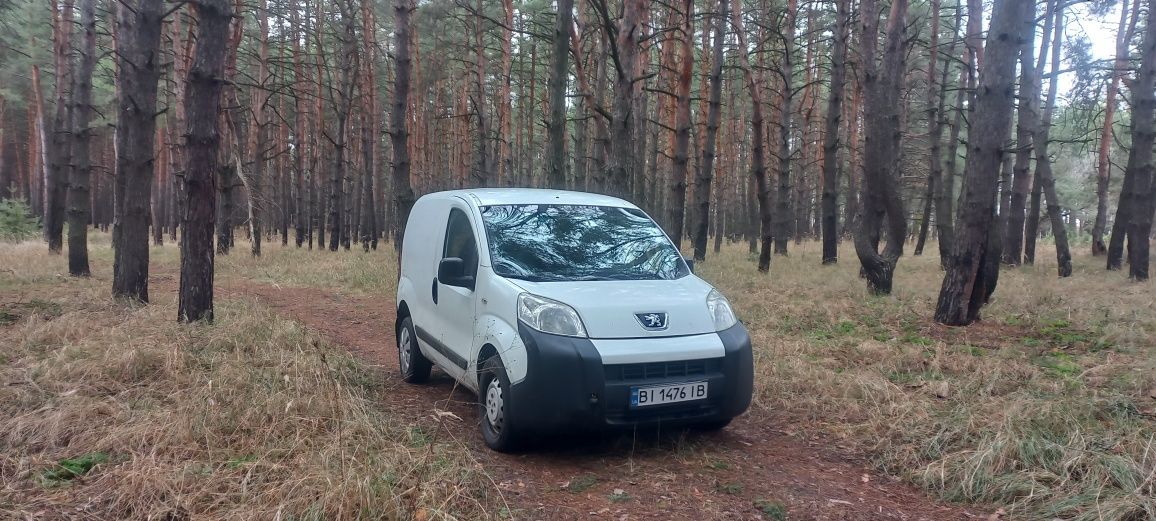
(549, 316)
(720, 310)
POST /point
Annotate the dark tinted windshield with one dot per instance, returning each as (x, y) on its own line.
(570, 242)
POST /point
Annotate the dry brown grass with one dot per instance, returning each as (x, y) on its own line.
(1045, 408)
(251, 417)
(1048, 406)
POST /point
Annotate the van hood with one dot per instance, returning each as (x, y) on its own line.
(610, 309)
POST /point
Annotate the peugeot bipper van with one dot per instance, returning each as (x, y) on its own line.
(564, 310)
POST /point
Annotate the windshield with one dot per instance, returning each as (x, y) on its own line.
(558, 242)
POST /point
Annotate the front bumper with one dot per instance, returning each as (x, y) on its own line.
(568, 386)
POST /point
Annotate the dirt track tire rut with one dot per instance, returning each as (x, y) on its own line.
(740, 472)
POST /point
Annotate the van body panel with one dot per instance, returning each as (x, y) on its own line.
(665, 349)
(609, 307)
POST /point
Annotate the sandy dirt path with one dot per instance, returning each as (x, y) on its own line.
(743, 472)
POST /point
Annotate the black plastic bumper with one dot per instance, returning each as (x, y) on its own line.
(567, 385)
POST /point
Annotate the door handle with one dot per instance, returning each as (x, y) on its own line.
(434, 290)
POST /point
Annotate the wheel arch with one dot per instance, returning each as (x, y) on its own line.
(402, 314)
(485, 353)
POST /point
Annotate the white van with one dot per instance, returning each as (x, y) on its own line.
(564, 310)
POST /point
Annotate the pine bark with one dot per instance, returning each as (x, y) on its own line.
(702, 187)
(559, 71)
(830, 200)
(399, 135)
(255, 181)
(881, 114)
(60, 149)
(139, 61)
(1021, 176)
(1140, 166)
(1103, 157)
(301, 212)
(624, 54)
(483, 173)
(1032, 221)
(368, 227)
(682, 126)
(783, 216)
(934, 127)
(202, 140)
(758, 146)
(79, 198)
(965, 288)
(1044, 162)
(341, 98)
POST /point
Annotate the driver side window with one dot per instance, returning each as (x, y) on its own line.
(460, 241)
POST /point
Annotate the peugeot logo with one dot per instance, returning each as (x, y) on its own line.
(652, 321)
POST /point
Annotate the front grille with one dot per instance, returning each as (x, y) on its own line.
(663, 413)
(659, 370)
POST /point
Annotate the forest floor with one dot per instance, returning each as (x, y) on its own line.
(1045, 409)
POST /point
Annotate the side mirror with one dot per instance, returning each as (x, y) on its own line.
(451, 272)
(689, 263)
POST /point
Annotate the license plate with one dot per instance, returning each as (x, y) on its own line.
(660, 394)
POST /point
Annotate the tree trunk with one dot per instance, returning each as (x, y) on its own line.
(79, 201)
(965, 287)
(682, 127)
(368, 130)
(139, 61)
(758, 142)
(504, 167)
(783, 214)
(830, 201)
(301, 212)
(945, 190)
(1043, 160)
(1140, 166)
(1103, 158)
(484, 171)
(1032, 221)
(625, 55)
(935, 102)
(255, 181)
(399, 135)
(202, 140)
(234, 136)
(882, 135)
(341, 98)
(36, 153)
(1022, 179)
(714, 113)
(60, 151)
(559, 71)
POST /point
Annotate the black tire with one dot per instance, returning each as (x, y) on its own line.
(499, 432)
(415, 367)
(713, 425)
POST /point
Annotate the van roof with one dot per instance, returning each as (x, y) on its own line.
(499, 196)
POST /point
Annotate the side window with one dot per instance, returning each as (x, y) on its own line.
(460, 241)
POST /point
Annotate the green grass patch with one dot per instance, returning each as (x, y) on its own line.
(581, 483)
(619, 496)
(733, 488)
(72, 468)
(772, 508)
(1060, 364)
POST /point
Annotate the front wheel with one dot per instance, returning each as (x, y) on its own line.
(498, 430)
(415, 367)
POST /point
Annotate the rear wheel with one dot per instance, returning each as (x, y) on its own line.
(415, 367)
(497, 428)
